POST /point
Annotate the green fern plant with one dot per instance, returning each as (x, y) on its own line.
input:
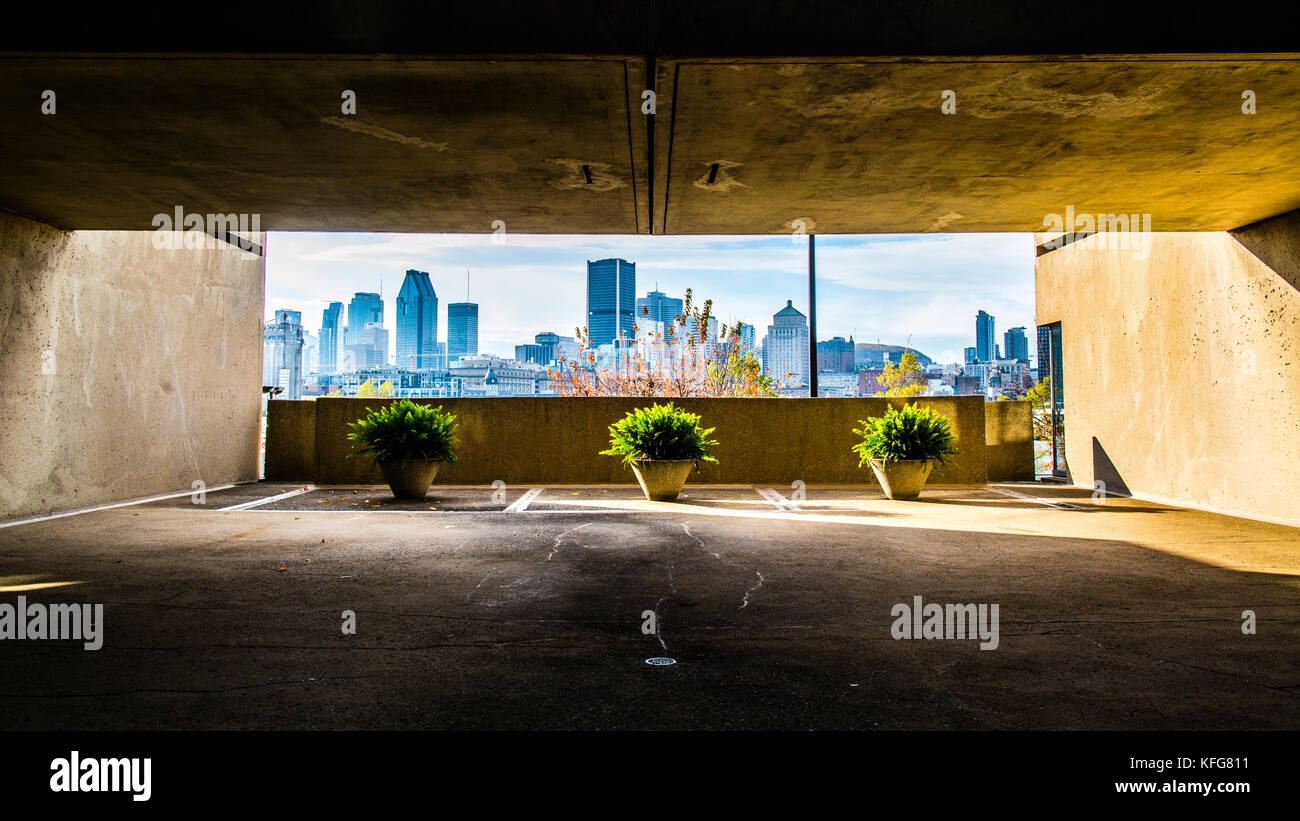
(660, 432)
(911, 433)
(406, 431)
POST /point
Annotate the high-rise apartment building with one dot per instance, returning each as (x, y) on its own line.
(1016, 345)
(985, 338)
(785, 348)
(417, 323)
(330, 341)
(282, 342)
(462, 329)
(611, 300)
(746, 336)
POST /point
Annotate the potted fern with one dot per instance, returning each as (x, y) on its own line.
(660, 443)
(903, 446)
(409, 442)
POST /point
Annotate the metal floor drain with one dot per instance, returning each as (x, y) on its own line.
(660, 661)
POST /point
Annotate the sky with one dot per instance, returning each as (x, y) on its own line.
(887, 288)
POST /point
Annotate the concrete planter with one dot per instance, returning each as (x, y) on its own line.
(662, 479)
(410, 480)
(902, 479)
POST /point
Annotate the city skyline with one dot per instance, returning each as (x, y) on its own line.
(884, 288)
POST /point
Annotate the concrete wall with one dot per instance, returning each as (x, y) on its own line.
(557, 440)
(1182, 370)
(291, 452)
(127, 371)
(1009, 441)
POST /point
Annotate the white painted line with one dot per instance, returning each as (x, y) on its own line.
(142, 501)
(521, 504)
(1035, 499)
(440, 512)
(269, 499)
(777, 500)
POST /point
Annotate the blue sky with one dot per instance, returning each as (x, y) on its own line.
(885, 287)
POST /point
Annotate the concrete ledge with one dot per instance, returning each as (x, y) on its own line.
(291, 453)
(524, 440)
(1009, 440)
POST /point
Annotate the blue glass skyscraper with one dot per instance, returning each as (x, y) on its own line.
(329, 338)
(462, 329)
(658, 308)
(417, 322)
(985, 340)
(611, 300)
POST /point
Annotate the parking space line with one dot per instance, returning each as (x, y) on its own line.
(521, 504)
(142, 501)
(1035, 499)
(778, 501)
(268, 500)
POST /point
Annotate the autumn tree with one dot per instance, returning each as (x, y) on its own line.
(906, 378)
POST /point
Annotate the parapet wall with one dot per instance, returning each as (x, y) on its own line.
(557, 440)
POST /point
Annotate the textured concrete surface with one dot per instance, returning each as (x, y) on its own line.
(1009, 441)
(127, 370)
(1182, 370)
(435, 145)
(559, 439)
(1123, 615)
(291, 451)
(738, 144)
(855, 146)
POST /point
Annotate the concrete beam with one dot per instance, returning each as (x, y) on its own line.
(558, 144)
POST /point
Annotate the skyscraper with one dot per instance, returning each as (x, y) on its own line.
(1016, 344)
(282, 342)
(785, 348)
(417, 323)
(746, 335)
(365, 341)
(462, 329)
(364, 307)
(658, 308)
(985, 338)
(329, 338)
(611, 300)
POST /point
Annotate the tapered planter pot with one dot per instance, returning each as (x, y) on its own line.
(902, 479)
(411, 479)
(662, 479)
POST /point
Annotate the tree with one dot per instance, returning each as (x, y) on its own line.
(677, 361)
(904, 379)
(368, 390)
(1039, 398)
(1040, 401)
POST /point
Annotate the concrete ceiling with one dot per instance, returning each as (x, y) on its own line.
(853, 146)
(558, 144)
(435, 145)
